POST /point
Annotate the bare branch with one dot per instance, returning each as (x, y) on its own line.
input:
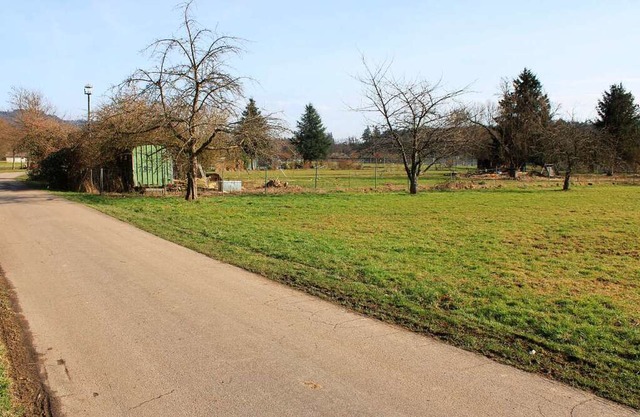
(416, 117)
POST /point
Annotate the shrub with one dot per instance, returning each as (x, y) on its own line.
(56, 168)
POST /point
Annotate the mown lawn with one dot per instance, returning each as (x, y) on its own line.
(9, 167)
(499, 271)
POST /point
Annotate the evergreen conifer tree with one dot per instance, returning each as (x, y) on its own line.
(524, 116)
(619, 121)
(251, 111)
(372, 141)
(366, 134)
(254, 135)
(311, 140)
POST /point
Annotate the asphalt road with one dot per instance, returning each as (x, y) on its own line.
(128, 324)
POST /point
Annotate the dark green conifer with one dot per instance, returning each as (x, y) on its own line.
(311, 139)
(619, 122)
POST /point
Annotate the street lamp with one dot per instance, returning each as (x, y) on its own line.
(87, 91)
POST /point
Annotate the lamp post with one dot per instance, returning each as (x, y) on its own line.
(87, 91)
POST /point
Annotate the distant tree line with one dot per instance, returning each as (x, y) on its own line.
(523, 129)
(424, 125)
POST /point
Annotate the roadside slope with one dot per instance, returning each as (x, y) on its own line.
(28, 396)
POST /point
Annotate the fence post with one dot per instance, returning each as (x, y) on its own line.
(101, 180)
(315, 183)
(375, 173)
(164, 185)
(265, 179)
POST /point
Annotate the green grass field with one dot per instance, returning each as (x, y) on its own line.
(7, 406)
(5, 384)
(8, 166)
(500, 271)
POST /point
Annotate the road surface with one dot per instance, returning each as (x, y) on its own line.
(128, 324)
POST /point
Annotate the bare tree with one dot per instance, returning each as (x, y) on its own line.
(193, 89)
(421, 120)
(8, 137)
(25, 100)
(568, 144)
(127, 120)
(39, 131)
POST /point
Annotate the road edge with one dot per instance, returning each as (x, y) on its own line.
(29, 391)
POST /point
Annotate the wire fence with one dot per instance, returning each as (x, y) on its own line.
(108, 180)
(367, 177)
(370, 176)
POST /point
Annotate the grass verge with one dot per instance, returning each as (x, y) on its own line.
(22, 393)
(5, 385)
(501, 272)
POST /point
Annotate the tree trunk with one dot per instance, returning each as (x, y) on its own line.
(413, 187)
(412, 171)
(192, 175)
(567, 177)
(413, 182)
(611, 168)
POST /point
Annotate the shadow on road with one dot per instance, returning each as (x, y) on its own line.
(15, 192)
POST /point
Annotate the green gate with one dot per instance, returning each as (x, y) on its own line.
(152, 166)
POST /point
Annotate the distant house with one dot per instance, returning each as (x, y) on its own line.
(17, 158)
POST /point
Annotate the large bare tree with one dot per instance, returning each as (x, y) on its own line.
(194, 90)
(126, 121)
(570, 143)
(421, 120)
(39, 131)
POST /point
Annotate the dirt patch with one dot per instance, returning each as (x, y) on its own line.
(457, 185)
(27, 389)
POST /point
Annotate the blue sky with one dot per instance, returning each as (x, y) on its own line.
(300, 52)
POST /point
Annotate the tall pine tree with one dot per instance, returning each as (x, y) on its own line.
(253, 134)
(372, 142)
(523, 119)
(619, 122)
(311, 140)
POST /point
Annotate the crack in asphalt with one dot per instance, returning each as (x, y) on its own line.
(573, 409)
(152, 399)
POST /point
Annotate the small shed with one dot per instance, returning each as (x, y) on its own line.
(17, 158)
(548, 170)
(152, 166)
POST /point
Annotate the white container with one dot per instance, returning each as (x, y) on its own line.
(229, 186)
